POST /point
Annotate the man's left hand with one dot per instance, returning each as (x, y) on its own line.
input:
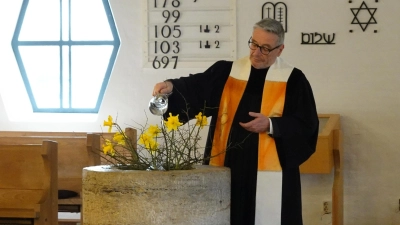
(258, 125)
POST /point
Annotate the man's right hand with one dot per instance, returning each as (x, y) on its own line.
(163, 88)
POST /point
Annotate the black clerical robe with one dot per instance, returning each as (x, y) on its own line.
(265, 174)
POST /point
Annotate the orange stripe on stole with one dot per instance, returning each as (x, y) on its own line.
(272, 105)
(230, 99)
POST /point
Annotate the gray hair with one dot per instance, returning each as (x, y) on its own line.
(272, 26)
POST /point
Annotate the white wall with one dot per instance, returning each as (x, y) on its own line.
(357, 78)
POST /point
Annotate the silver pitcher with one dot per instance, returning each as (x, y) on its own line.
(158, 105)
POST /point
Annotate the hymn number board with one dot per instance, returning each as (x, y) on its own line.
(189, 33)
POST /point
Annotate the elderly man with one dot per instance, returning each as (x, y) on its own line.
(264, 125)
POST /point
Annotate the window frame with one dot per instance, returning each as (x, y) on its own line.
(115, 43)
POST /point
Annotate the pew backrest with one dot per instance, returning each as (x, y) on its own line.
(73, 156)
(28, 182)
(76, 150)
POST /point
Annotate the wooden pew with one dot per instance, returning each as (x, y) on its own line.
(28, 183)
(76, 150)
(74, 154)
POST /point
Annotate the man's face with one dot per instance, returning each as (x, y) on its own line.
(265, 40)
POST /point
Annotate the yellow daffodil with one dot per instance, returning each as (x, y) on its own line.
(108, 148)
(119, 138)
(144, 138)
(153, 145)
(172, 122)
(153, 130)
(148, 142)
(201, 120)
(109, 123)
(170, 145)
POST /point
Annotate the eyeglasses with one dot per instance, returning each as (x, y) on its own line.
(263, 50)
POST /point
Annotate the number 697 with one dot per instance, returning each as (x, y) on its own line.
(164, 61)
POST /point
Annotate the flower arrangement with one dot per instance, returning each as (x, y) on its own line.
(171, 145)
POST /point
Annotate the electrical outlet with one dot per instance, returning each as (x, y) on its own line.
(327, 207)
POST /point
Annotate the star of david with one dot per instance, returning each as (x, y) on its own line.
(363, 8)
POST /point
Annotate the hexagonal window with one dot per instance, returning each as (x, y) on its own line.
(65, 53)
